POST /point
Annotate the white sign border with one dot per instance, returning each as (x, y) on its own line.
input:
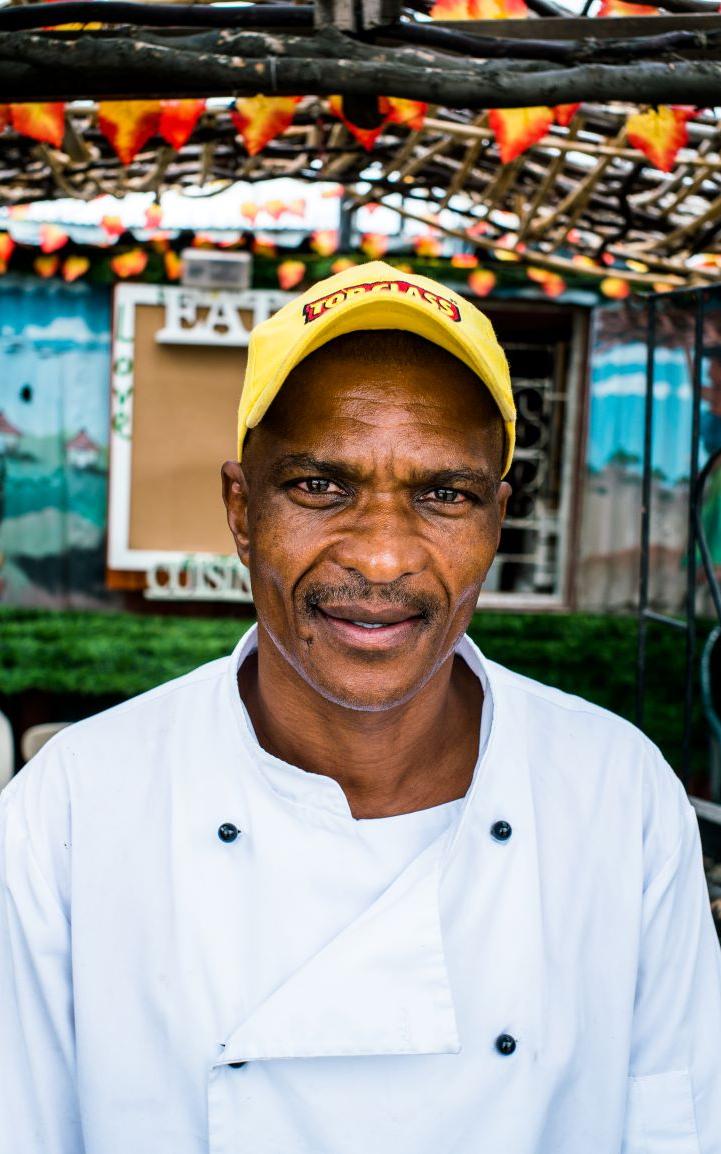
(120, 555)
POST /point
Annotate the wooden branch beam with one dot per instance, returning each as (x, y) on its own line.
(36, 67)
(578, 28)
(639, 42)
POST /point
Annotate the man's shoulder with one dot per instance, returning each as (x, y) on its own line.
(552, 706)
(597, 757)
(123, 735)
(165, 698)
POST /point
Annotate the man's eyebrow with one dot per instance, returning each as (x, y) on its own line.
(481, 478)
(484, 479)
(308, 463)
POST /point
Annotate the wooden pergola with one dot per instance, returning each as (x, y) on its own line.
(580, 196)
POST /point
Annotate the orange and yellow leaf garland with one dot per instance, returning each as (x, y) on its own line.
(409, 112)
(43, 122)
(128, 124)
(481, 282)
(551, 283)
(516, 129)
(659, 133)
(46, 266)
(127, 264)
(178, 119)
(621, 8)
(324, 241)
(259, 119)
(75, 267)
(374, 245)
(52, 237)
(479, 10)
(365, 136)
(564, 113)
(153, 216)
(7, 244)
(290, 273)
(615, 288)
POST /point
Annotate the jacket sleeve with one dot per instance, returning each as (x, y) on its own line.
(674, 1085)
(38, 1110)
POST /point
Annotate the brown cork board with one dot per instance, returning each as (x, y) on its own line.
(185, 402)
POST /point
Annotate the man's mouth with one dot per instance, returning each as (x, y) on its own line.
(381, 628)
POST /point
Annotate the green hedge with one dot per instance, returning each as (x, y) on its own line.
(93, 654)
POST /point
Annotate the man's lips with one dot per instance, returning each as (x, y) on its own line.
(370, 629)
(364, 615)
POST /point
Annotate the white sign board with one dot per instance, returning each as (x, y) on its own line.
(173, 429)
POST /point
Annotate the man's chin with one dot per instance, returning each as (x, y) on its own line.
(365, 699)
(367, 682)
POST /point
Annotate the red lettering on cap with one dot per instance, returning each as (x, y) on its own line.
(317, 308)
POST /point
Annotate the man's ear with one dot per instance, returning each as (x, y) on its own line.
(235, 496)
(504, 492)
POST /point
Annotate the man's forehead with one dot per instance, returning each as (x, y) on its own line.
(378, 378)
(388, 390)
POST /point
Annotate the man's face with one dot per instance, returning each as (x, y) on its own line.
(368, 510)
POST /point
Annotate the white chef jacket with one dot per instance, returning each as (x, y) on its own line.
(166, 992)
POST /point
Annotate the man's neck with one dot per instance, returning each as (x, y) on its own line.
(410, 757)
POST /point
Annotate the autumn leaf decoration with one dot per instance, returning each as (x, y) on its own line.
(366, 136)
(7, 244)
(127, 264)
(52, 237)
(659, 133)
(46, 266)
(388, 110)
(290, 273)
(178, 119)
(43, 122)
(259, 119)
(409, 112)
(516, 129)
(551, 283)
(481, 282)
(564, 113)
(621, 8)
(479, 10)
(128, 124)
(75, 267)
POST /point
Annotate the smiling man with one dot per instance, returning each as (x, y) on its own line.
(355, 887)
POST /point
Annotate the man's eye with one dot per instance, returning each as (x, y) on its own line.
(317, 485)
(447, 496)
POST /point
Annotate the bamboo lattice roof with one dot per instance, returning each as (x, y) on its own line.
(580, 196)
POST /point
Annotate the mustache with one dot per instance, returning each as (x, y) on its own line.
(417, 604)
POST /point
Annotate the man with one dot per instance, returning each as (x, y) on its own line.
(356, 888)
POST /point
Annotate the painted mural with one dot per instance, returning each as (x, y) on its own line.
(54, 398)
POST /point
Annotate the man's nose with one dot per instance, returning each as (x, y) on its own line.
(382, 544)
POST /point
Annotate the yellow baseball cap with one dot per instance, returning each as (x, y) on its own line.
(372, 296)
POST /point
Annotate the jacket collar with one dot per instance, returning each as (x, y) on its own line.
(317, 791)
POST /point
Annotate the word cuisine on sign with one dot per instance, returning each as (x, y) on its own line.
(199, 579)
